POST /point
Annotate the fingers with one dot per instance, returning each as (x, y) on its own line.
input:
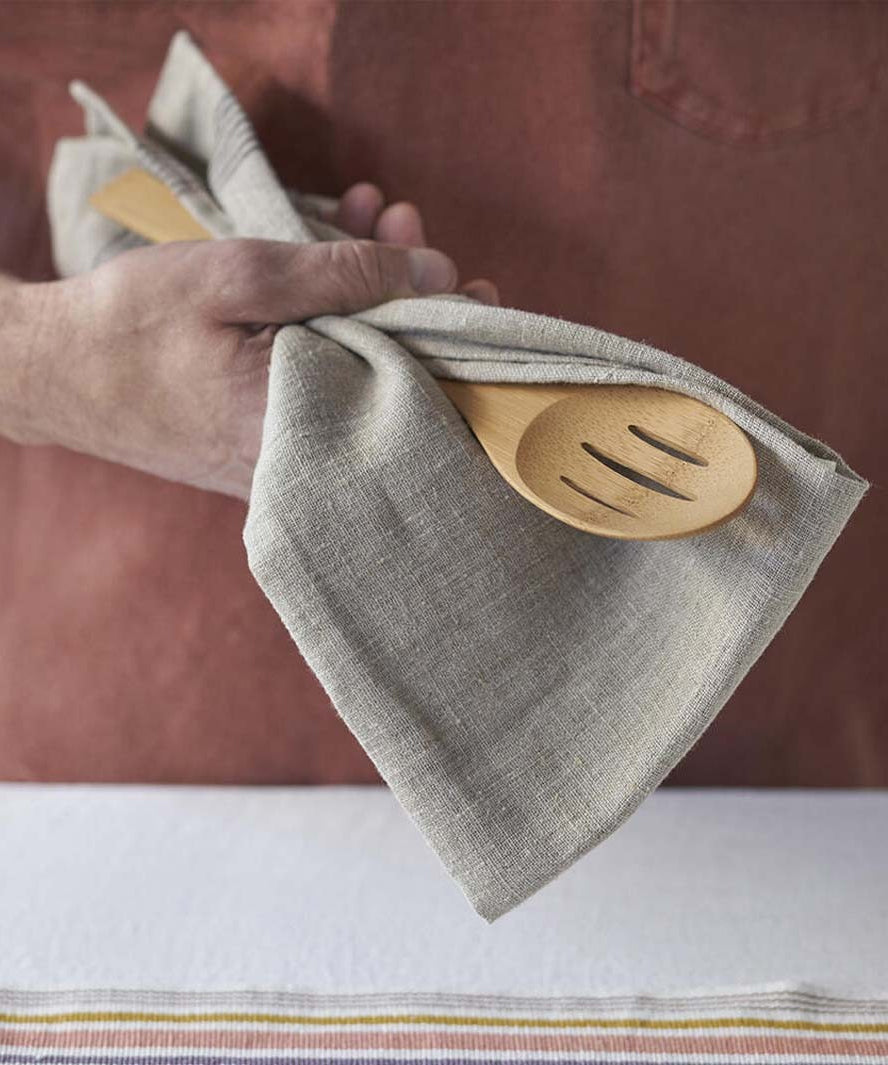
(483, 290)
(398, 223)
(401, 223)
(362, 212)
(358, 210)
(250, 281)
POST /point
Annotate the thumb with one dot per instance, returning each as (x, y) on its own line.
(279, 282)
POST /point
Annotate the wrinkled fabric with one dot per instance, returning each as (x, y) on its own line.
(520, 685)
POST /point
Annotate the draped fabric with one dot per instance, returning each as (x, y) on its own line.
(521, 686)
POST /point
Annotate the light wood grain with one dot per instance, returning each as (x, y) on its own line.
(623, 461)
(142, 203)
(569, 449)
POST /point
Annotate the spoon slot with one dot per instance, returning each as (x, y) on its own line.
(663, 445)
(595, 499)
(633, 475)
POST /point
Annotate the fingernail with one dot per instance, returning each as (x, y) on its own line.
(430, 270)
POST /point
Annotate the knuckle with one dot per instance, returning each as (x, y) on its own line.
(358, 269)
(249, 260)
(237, 271)
(237, 265)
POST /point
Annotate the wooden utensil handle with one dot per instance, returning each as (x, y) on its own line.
(141, 202)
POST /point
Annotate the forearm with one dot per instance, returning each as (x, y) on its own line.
(30, 327)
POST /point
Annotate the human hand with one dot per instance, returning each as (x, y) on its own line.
(362, 212)
(159, 358)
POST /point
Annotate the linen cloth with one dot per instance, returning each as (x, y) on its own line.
(520, 685)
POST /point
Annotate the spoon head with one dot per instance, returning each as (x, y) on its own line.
(633, 462)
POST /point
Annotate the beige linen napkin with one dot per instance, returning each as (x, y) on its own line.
(520, 685)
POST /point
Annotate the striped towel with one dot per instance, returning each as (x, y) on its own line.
(282, 1028)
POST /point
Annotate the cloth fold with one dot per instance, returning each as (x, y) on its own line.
(520, 685)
